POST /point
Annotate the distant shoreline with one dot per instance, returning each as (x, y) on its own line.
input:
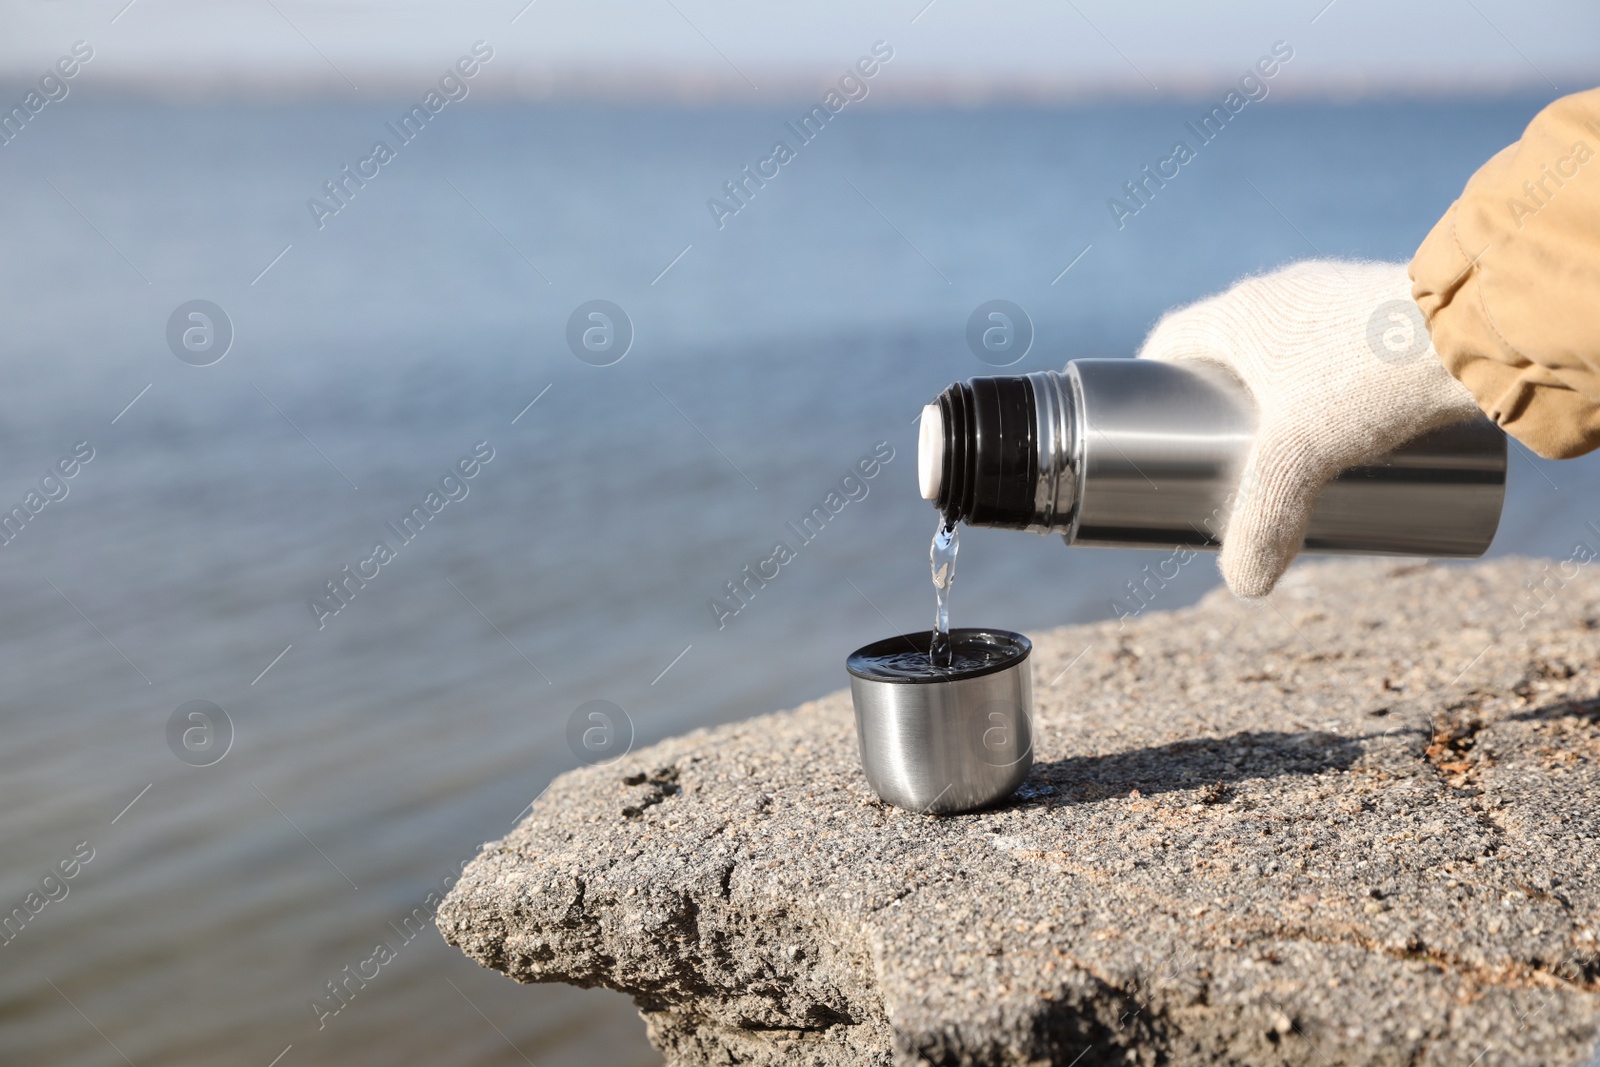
(677, 89)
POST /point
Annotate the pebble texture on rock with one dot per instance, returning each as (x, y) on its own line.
(1357, 824)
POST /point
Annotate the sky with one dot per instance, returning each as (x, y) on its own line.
(738, 51)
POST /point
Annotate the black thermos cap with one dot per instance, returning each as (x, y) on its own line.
(991, 465)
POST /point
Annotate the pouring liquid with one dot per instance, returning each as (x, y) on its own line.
(942, 559)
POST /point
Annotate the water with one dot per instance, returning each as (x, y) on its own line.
(942, 558)
(965, 651)
(425, 715)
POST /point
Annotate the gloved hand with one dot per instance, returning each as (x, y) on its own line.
(1338, 359)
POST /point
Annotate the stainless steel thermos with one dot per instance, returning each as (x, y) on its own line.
(1140, 453)
(1127, 452)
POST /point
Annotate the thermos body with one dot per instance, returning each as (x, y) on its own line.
(1133, 452)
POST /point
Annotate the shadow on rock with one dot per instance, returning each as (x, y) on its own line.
(1209, 764)
(1582, 710)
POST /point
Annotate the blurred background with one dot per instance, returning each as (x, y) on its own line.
(356, 340)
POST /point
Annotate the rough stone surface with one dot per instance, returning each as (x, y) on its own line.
(1358, 824)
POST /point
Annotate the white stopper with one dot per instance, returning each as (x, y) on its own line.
(930, 452)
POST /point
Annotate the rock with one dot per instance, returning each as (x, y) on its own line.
(1354, 825)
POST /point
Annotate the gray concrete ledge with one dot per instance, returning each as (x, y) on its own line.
(1357, 825)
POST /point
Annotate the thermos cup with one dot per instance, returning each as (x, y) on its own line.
(1140, 453)
(946, 742)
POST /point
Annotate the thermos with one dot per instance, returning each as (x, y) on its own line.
(1141, 453)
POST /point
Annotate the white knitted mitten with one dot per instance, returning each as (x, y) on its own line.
(1338, 359)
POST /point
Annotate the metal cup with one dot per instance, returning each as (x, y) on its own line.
(948, 742)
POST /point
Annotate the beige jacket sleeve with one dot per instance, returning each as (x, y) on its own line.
(1509, 281)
